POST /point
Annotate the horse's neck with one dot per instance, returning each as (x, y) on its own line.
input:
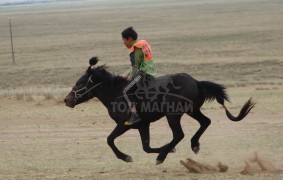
(111, 91)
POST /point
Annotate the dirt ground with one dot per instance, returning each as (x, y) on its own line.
(45, 139)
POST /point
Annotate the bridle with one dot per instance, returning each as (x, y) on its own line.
(77, 92)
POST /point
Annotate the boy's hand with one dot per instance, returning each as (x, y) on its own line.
(126, 78)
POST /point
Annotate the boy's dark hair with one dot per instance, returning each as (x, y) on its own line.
(129, 32)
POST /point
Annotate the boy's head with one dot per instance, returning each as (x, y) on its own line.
(129, 35)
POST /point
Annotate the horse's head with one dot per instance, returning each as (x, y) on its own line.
(84, 88)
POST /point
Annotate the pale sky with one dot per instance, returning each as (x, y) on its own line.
(7, 1)
(4, 1)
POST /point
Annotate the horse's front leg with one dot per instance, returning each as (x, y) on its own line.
(145, 138)
(119, 130)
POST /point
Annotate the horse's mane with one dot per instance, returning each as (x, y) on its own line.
(108, 76)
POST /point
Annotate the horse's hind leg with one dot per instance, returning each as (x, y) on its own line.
(204, 123)
(145, 138)
(178, 135)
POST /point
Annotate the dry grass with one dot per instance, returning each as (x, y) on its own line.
(208, 39)
(31, 94)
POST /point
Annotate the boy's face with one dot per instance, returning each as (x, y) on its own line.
(127, 42)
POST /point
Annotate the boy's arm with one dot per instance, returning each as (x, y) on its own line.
(137, 58)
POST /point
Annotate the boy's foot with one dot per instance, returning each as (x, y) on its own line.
(135, 118)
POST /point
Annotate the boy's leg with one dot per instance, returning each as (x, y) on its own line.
(134, 117)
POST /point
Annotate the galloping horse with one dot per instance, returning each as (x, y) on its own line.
(187, 98)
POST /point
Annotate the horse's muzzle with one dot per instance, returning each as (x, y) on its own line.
(69, 103)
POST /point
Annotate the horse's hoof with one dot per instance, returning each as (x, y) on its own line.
(173, 150)
(158, 162)
(196, 150)
(129, 159)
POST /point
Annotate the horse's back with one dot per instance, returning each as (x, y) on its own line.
(188, 85)
(175, 76)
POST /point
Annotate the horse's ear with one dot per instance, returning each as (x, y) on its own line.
(101, 67)
(93, 61)
(88, 71)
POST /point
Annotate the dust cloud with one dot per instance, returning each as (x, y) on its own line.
(253, 164)
(257, 164)
(196, 167)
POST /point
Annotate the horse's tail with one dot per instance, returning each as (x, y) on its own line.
(211, 91)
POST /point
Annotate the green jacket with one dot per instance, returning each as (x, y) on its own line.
(138, 63)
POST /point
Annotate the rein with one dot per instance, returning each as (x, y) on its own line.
(78, 96)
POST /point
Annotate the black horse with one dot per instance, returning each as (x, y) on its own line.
(187, 98)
